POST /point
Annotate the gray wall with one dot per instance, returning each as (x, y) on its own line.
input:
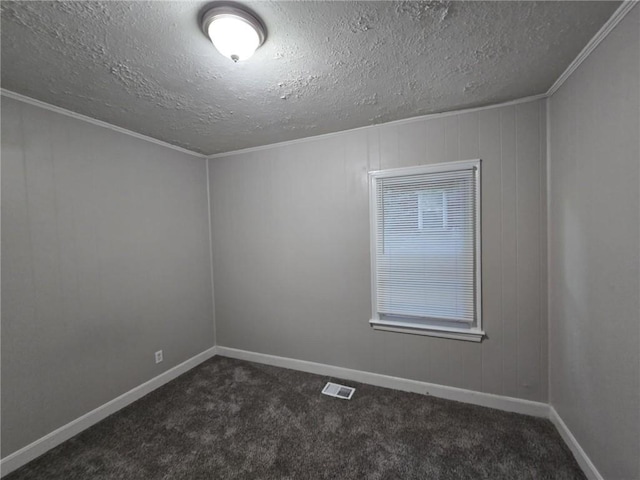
(105, 259)
(594, 251)
(291, 250)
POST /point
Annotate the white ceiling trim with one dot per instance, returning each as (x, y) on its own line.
(610, 24)
(402, 121)
(100, 123)
(617, 16)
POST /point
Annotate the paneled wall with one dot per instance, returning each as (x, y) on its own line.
(594, 251)
(105, 259)
(291, 250)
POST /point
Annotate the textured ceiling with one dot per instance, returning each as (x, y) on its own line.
(326, 66)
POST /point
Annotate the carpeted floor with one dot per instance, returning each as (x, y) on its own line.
(234, 419)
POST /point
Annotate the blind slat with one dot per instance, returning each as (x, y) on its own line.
(426, 245)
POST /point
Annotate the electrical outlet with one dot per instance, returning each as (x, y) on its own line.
(158, 356)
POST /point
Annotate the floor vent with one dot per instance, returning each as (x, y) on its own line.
(339, 391)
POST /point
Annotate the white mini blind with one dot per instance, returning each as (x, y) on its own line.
(426, 228)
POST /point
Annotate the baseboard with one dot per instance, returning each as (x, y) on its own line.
(581, 456)
(500, 402)
(55, 438)
(509, 404)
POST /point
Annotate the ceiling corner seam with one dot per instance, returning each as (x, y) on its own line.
(94, 121)
(600, 35)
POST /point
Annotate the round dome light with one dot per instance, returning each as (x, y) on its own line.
(235, 32)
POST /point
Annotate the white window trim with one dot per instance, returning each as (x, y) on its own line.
(473, 334)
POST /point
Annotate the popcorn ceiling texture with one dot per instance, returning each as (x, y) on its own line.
(325, 67)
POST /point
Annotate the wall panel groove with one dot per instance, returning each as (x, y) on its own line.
(105, 260)
(313, 242)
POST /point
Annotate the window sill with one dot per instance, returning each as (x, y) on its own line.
(431, 331)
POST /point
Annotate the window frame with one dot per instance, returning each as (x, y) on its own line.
(432, 328)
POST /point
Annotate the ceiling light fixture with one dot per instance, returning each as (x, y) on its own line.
(235, 32)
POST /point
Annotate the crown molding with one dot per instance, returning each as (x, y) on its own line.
(403, 121)
(610, 24)
(100, 123)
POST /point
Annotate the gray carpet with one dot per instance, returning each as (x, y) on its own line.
(233, 419)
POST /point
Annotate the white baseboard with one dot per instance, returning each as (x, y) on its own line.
(583, 460)
(55, 438)
(509, 404)
(500, 402)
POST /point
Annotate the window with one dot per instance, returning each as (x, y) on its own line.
(425, 250)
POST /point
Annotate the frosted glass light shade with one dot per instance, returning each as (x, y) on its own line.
(235, 33)
(233, 37)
